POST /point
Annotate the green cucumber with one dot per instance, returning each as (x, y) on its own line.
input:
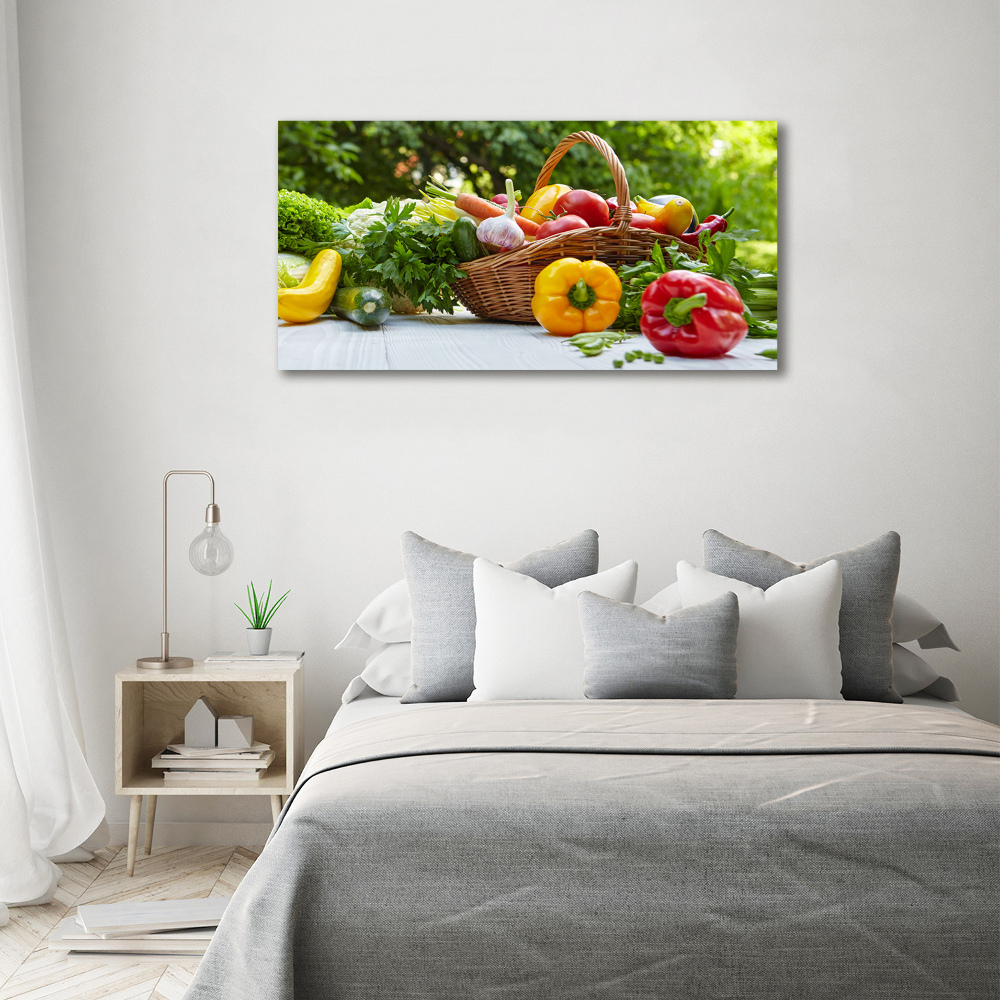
(363, 305)
(467, 245)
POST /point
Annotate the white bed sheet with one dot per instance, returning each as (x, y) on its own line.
(370, 704)
(367, 705)
(929, 701)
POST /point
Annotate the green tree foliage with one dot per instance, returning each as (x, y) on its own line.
(715, 164)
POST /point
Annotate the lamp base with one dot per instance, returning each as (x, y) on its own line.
(171, 663)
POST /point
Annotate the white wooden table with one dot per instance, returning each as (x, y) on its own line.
(438, 342)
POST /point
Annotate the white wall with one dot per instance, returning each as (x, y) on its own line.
(150, 136)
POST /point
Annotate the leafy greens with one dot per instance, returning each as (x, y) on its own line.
(408, 256)
(303, 220)
(718, 259)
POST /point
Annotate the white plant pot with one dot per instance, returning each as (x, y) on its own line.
(259, 641)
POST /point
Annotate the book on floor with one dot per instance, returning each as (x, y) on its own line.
(186, 934)
(69, 936)
(146, 916)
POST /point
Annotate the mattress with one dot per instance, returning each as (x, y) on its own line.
(640, 850)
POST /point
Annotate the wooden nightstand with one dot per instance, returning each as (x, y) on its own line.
(150, 707)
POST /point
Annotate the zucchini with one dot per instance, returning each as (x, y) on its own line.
(364, 305)
(467, 245)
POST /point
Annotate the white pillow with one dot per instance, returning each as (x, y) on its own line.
(910, 673)
(912, 621)
(789, 641)
(355, 689)
(529, 641)
(386, 619)
(387, 670)
(666, 602)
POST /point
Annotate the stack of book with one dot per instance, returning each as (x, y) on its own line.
(172, 927)
(181, 763)
(231, 659)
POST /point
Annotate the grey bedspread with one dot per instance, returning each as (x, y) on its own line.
(688, 850)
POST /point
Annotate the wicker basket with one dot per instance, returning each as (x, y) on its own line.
(501, 286)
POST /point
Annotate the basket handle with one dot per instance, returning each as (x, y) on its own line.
(623, 216)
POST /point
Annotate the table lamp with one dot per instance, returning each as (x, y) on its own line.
(211, 553)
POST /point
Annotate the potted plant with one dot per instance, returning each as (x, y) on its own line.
(260, 614)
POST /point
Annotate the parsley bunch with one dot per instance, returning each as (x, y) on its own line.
(410, 257)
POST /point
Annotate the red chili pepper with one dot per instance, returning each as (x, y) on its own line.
(692, 315)
(711, 224)
(716, 223)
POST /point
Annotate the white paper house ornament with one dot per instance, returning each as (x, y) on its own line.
(235, 731)
(201, 724)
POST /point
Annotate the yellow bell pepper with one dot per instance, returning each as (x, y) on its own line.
(673, 217)
(574, 296)
(307, 300)
(539, 206)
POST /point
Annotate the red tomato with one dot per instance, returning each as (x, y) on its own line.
(640, 221)
(613, 205)
(590, 207)
(563, 224)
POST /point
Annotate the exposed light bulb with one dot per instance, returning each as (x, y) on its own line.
(211, 553)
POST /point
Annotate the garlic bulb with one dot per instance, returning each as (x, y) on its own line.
(501, 232)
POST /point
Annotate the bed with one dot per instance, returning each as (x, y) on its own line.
(627, 849)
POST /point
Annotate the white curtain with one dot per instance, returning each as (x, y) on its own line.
(49, 804)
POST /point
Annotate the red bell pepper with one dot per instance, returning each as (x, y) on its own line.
(692, 315)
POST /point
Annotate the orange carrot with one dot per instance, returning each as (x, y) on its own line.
(483, 209)
(528, 227)
(479, 207)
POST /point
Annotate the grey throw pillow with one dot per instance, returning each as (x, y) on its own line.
(443, 607)
(632, 653)
(869, 575)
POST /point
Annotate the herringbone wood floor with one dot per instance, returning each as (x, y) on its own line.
(30, 971)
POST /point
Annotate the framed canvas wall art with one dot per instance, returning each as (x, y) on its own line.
(527, 245)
